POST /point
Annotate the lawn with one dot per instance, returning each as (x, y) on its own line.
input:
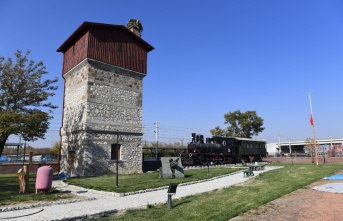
(9, 191)
(9, 184)
(230, 202)
(142, 181)
(221, 204)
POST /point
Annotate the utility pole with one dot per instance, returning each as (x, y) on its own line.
(156, 132)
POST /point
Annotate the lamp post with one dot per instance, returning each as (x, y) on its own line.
(117, 159)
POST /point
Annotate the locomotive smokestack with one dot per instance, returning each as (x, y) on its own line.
(201, 139)
(193, 137)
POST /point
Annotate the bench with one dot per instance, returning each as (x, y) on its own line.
(257, 167)
(248, 172)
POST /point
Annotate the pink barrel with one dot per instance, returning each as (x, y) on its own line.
(44, 178)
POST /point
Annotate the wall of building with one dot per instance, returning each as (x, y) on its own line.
(101, 101)
(115, 46)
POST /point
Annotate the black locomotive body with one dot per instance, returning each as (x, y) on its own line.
(225, 150)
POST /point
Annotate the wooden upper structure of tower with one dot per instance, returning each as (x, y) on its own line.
(112, 44)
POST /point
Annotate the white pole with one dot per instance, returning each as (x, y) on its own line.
(331, 148)
(314, 132)
(290, 148)
(289, 144)
(309, 95)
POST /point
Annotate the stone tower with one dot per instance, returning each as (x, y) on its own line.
(103, 70)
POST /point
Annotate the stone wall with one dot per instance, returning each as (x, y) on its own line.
(101, 101)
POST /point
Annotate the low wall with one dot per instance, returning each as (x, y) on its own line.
(304, 159)
(152, 165)
(10, 168)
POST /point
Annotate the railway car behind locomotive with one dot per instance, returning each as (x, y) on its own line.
(225, 150)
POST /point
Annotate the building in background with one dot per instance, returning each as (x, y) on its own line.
(334, 147)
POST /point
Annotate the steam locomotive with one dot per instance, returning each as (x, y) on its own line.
(224, 150)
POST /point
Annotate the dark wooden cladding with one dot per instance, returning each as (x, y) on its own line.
(75, 54)
(117, 48)
(113, 45)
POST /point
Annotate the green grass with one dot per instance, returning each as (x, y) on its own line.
(9, 191)
(220, 204)
(141, 181)
(230, 202)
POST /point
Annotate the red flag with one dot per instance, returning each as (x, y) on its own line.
(311, 120)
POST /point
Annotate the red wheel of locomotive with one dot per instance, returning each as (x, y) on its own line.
(214, 158)
(221, 158)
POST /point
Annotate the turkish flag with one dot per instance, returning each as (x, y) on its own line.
(311, 120)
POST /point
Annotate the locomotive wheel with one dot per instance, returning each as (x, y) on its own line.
(221, 158)
(214, 159)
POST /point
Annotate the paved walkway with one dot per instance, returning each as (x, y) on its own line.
(99, 202)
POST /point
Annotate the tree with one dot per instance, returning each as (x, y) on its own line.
(244, 124)
(55, 150)
(23, 95)
(310, 147)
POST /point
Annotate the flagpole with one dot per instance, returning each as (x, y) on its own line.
(314, 131)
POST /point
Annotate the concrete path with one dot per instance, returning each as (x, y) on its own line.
(99, 203)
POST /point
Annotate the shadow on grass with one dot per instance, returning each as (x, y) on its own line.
(182, 203)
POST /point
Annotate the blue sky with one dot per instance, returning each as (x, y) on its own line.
(210, 58)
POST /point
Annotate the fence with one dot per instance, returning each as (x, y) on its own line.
(11, 164)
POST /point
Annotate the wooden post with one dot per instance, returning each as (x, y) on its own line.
(23, 175)
(21, 182)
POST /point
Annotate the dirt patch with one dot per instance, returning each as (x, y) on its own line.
(301, 205)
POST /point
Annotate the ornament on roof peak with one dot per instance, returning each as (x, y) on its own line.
(135, 26)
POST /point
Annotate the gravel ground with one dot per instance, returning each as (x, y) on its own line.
(320, 201)
(91, 203)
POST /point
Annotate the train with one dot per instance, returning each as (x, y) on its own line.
(223, 150)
